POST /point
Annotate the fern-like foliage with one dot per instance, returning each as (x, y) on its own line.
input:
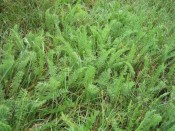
(87, 65)
(151, 120)
(90, 74)
(4, 127)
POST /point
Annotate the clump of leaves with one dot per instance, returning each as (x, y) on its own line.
(87, 65)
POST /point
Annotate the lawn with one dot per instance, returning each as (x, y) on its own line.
(87, 65)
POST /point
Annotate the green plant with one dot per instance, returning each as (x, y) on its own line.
(87, 65)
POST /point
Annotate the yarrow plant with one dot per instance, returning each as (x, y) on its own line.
(87, 65)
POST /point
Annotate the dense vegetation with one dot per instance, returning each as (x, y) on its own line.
(106, 65)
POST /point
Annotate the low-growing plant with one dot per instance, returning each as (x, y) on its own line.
(87, 65)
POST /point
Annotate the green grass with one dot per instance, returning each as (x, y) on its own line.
(100, 65)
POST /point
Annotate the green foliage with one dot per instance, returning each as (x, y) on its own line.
(4, 114)
(151, 120)
(90, 74)
(4, 127)
(87, 65)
